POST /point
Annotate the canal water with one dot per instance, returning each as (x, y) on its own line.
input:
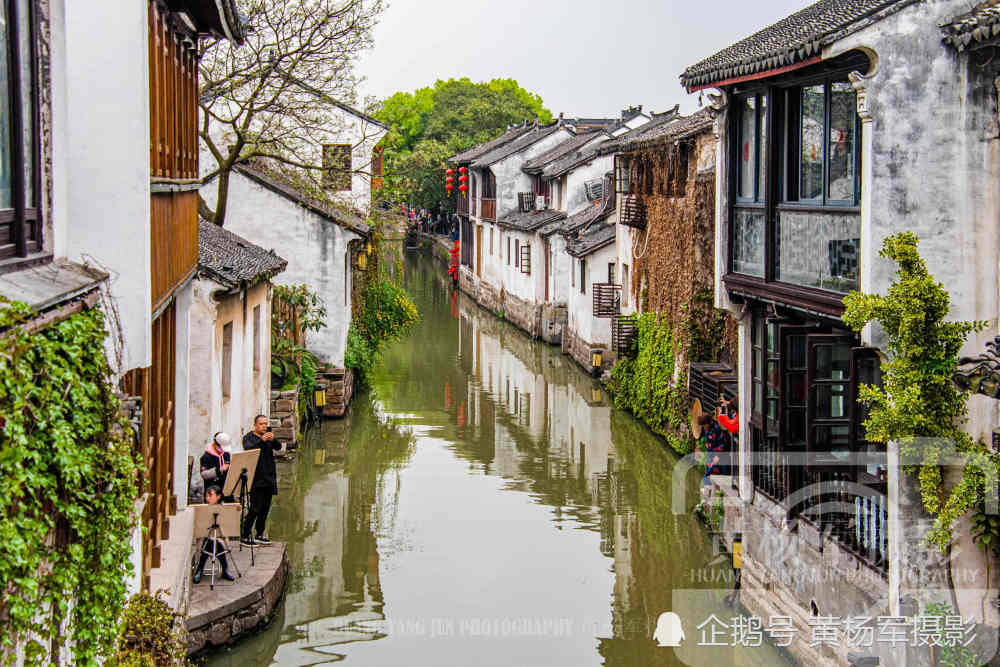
(485, 504)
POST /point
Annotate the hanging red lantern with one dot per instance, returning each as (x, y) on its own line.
(463, 187)
(449, 172)
(449, 187)
(450, 179)
(462, 170)
(463, 178)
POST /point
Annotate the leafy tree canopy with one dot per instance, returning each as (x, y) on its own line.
(431, 124)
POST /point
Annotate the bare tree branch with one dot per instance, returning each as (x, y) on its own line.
(276, 98)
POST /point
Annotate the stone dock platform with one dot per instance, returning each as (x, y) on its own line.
(218, 617)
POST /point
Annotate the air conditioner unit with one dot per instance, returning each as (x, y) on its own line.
(539, 203)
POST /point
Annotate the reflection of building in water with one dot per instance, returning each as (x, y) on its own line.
(341, 597)
(587, 432)
(561, 416)
(325, 512)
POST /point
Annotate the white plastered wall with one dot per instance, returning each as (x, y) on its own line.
(315, 247)
(250, 380)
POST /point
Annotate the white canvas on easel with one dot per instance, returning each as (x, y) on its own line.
(228, 518)
(240, 460)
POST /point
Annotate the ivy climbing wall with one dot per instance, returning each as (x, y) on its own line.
(672, 281)
(674, 260)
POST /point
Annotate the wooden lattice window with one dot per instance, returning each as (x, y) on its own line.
(622, 181)
(227, 360)
(634, 212)
(20, 210)
(607, 299)
(526, 201)
(526, 259)
(337, 166)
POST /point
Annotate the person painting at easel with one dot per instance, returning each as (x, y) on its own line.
(213, 496)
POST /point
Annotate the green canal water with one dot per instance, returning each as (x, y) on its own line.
(485, 504)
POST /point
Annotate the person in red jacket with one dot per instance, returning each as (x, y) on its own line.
(729, 416)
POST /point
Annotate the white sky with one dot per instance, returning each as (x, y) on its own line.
(584, 57)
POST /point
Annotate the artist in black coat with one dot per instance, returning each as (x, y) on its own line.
(265, 480)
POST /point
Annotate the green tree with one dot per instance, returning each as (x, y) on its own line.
(431, 124)
(919, 406)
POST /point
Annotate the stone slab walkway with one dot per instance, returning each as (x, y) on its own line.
(217, 617)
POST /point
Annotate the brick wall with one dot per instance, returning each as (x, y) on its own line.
(285, 416)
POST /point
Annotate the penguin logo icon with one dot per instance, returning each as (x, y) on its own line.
(668, 630)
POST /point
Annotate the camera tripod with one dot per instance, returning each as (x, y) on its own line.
(244, 500)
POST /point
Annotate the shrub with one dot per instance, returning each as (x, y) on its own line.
(149, 635)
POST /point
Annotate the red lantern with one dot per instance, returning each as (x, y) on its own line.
(449, 172)
(462, 170)
(450, 179)
(463, 187)
(463, 179)
(449, 187)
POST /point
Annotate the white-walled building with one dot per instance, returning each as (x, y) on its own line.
(97, 208)
(321, 243)
(592, 260)
(346, 146)
(867, 168)
(231, 342)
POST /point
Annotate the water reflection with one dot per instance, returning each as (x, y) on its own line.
(486, 504)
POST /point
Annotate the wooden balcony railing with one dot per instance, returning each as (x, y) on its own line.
(174, 242)
(173, 101)
(607, 299)
(634, 212)
(462, 204)
(623, 335)
(488, 209)
(156, 387)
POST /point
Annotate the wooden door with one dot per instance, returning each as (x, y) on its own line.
(546, 251)
(479, 251)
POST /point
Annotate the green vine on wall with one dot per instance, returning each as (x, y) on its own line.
(919, 405)
(644, 382)
(385, 315)
(644, 385)
(68, 484)
(382, 312)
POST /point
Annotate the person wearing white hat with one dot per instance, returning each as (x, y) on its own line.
(215, 461)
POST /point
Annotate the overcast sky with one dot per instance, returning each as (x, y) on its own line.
(584, 57)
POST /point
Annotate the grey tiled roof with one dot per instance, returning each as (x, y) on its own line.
(572, 160)
(968, 30)
(530, 221)
(536, 164)
(470, 154)
(536, 133)
(233, 261)
(659, 131)
(580, 220)
(47, 285)
(597, 236)
(275, 183)
(792, 39)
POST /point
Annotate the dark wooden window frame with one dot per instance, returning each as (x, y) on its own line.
(338, 176)
(24, 220)
(779, 133)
